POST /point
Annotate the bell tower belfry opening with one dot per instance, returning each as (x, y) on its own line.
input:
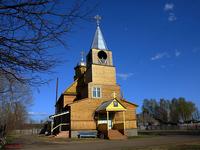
(99, 53)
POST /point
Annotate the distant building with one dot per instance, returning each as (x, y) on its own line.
(146, 121)
(93, 102)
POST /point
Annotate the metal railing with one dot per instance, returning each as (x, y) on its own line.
(60, 126)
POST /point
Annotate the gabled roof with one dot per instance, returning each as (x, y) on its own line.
(109, 106)
(71, 88)
(126, 101)
(104, 105)
(98, 40)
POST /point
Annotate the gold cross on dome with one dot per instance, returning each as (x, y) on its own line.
(97, 18)
(82, 55)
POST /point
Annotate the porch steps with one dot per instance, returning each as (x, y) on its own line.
(115, 135)
(62, 134)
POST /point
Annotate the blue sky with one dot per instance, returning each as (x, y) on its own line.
(155, 45)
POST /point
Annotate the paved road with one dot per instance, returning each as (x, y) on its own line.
(30, 143)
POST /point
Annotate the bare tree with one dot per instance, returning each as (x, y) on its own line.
(186, 109)
(28, 28)
(171, 111)
(13, 103)
(196, 115)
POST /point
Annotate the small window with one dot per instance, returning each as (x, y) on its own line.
(96, 93)
(115, 104)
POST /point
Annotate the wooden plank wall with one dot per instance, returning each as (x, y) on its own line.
(95, 58)
(107, 90)
(68, 99)
(82, 115)
(103, 74)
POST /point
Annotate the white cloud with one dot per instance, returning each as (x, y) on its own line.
(172, 17)
(160, 56)
(169, 7)
(124, 76)
(38, 113)
(177, 53)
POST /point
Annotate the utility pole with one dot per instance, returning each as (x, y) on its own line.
(56, 93)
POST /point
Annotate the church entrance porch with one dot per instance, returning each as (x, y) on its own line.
(109, 125)
(102, 119)
(111, 120)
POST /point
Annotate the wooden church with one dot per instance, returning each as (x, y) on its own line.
(93, 102)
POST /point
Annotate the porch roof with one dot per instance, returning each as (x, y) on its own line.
(111, 105)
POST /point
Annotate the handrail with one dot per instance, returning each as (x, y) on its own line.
(61, 124)
(59, 114)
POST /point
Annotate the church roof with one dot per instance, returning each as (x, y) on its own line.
(110, 106)
(98, 40)
(72, 88)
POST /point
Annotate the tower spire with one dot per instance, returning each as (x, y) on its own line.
(98, 40)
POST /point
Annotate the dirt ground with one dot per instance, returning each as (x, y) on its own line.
(172, 142)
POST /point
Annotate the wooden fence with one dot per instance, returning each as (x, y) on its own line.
(34, 131)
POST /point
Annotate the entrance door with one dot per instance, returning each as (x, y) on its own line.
(109, 124)
(103, 120)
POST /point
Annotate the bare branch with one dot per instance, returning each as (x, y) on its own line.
(29, 28)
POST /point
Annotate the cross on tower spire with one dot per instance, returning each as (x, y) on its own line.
(98, 40)
(97, 18)
(82, 56)
(82, 62)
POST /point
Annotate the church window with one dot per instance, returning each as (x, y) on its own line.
(115, 104)
(96, 93)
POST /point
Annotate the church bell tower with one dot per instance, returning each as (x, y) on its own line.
(101, 73)
(99, 53)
